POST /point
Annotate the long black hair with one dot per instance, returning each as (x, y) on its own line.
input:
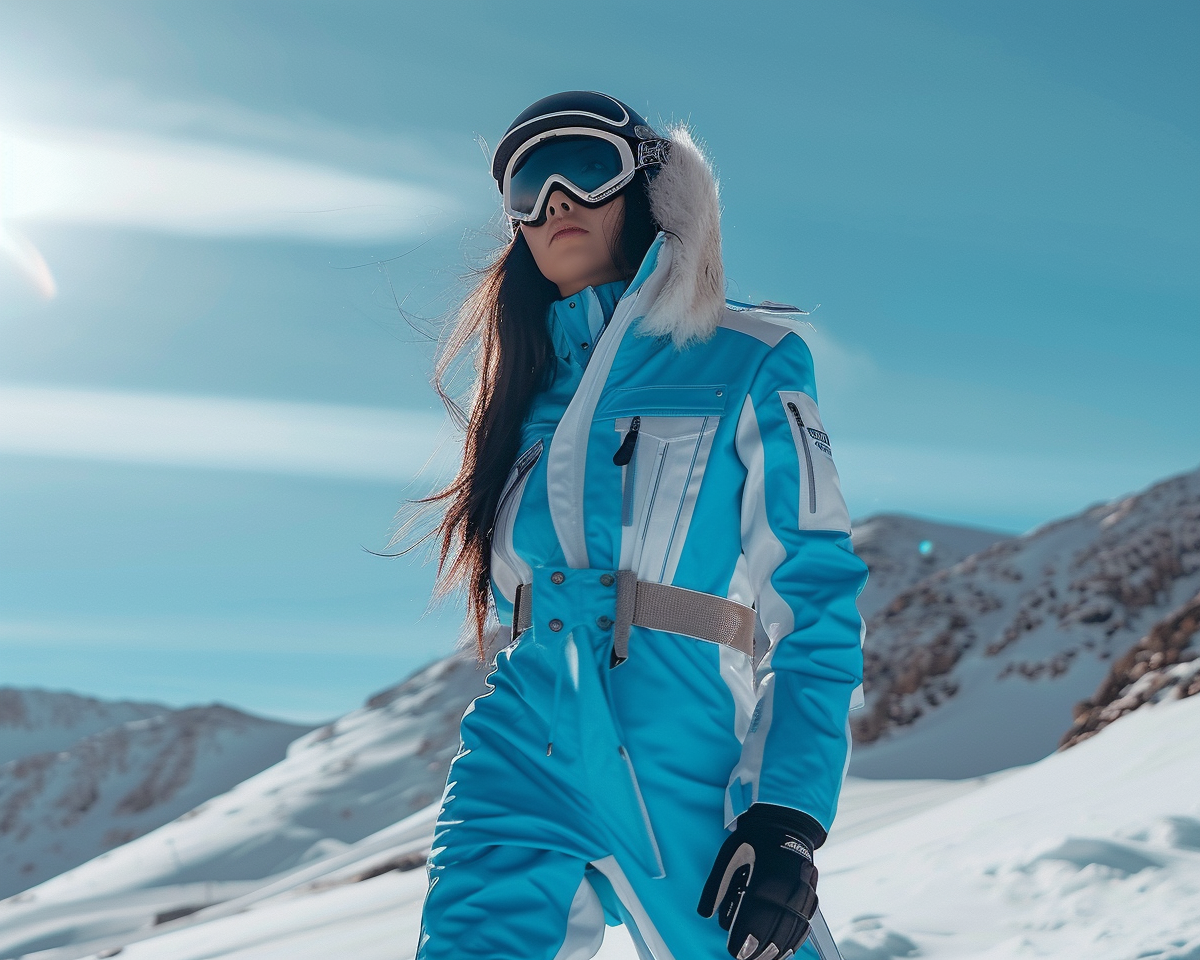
(504, 320)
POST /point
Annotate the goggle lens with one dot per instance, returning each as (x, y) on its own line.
(587, 163)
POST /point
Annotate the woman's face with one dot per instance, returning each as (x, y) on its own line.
(573, 246)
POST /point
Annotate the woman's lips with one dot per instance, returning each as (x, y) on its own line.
(566, 232)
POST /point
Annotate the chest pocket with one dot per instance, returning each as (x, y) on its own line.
(666, 437)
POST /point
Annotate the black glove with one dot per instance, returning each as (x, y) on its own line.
(765, 882)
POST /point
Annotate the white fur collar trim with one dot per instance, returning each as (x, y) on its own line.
(684, 199)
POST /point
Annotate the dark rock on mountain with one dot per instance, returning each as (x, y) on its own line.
(1163, 664)
(900, 551)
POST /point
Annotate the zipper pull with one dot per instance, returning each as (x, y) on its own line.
(625, 453)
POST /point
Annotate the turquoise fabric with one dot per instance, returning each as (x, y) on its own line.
(584, 792)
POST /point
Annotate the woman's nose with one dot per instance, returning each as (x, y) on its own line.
(557, 202)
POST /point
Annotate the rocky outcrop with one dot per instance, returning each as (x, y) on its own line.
(1164, 664)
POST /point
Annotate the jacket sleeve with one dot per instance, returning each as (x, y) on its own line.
(805, 580)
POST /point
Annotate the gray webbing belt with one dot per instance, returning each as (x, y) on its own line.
(660, 606)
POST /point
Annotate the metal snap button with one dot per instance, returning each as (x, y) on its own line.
(556, 624)
(607, 579)
(557, 577)
(603, 622)
(572, 304)
(720, 393)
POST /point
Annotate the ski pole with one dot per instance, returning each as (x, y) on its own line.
(822, 939)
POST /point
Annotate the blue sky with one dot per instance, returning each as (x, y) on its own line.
(210, 403)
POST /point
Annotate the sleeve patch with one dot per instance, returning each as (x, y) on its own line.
(821, 506)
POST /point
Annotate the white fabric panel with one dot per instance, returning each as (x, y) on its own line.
(508, 569)
(849, 750)
(737, 670)
(668, 467)
(566, 464)
(637, 789)
(761, 548)
(763, 553)
(683, 521)
(649, 943)
(739, 584)
(858, 699)
(821, 503)
(585, 926)
(768, 330)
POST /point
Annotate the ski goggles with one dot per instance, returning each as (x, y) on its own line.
(591, 165)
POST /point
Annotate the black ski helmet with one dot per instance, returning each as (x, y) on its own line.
(574, 108)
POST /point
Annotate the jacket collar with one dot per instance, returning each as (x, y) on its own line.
(575, 322)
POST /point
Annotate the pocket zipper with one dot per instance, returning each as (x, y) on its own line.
(624, 458)
(812, 485)
(524, 464)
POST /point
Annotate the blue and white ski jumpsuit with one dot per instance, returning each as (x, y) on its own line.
(585, 793)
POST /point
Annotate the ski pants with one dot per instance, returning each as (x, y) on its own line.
(546, 833)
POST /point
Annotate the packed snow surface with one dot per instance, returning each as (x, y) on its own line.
(1093, 852)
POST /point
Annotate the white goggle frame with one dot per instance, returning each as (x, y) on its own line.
(649, 152)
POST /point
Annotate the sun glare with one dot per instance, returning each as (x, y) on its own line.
(14, 245)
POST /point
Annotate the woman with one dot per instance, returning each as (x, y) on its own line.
(645, 479)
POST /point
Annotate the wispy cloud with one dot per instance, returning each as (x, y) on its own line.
(311, 439)
(195, 188)
(198, 188)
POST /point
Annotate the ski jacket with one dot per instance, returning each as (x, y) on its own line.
(730, 489)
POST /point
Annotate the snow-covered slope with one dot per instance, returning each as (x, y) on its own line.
(1092, 852)
(41, 721)
(338, 784)
(976, 667)
(901, 550)
(324, 904)
(65, 806)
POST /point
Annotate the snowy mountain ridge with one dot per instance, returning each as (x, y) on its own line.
(901, 550)
(1010, 638)
(41, 721)
(343, 781)
(64, 806)
(336, 785)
